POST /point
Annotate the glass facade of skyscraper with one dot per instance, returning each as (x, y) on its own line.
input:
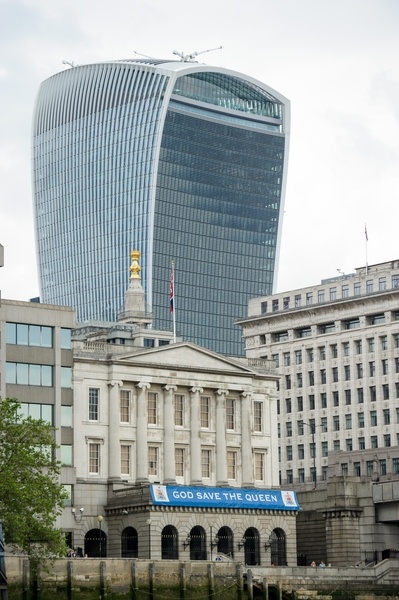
(179, 160)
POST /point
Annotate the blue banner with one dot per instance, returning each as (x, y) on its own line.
(213, 497)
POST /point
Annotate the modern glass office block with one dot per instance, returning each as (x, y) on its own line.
(179, 160)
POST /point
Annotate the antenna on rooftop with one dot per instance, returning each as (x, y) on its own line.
(143, 55)
(191, 57)
(67, 62)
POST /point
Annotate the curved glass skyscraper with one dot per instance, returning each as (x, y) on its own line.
(180, 160)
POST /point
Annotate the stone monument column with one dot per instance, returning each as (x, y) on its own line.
(246, 445)
(221, 451)
(114, 450)
(141, 435)
(195, 437)
(168, 433)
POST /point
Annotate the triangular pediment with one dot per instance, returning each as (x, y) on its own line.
(186, 355)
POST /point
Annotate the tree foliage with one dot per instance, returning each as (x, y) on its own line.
(31, 496)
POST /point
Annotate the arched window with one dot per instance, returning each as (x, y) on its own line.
(197, 543)
(252, 551)
(278, 555)
(96, 543)
(129, 542)
(170, 543)
(225, 541)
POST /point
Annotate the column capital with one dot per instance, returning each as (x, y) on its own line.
(196, 390)
(245, 394)
(222, 392)
(143, 385)
(170, 388)
(114, 382)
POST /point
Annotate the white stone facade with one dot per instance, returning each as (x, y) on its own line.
(336, 348)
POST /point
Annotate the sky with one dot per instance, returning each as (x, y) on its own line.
(335, 60)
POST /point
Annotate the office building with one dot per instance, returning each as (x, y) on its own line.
(178, 159)
(336, 347)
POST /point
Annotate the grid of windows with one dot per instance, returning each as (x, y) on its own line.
(124, 401)
(258, 416)
(259, 466)
(206, 463)
(29, 374)
(94, 458)
(153, 457)
(152, 407)
(42, 412)
(232, 464)
(22, 334)
(230, 414)
(205, 412)
(179, 410)
(179, 462)
(125, 459)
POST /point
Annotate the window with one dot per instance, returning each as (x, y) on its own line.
(348, 397)
(383, 466)
(309, 298)
(395, 281)
(297, 300)
(311, 402)
(309, 353)
(288, 406)
(304, 332)
(153, 460)
(29, 374)
(357, 469)
(349, 445)
(348, 421)
(335, 374)
(373, 418)
(286, 359)
(374, 441)
(275, 305)
(298, 357)
(324, 449)
(259, 466)
(386, 416)
(369, 286)
(351, 324)
(372, 368)
(288, 382)
(387, 440)
(395, 466)
(346, 349)
(360, 395)
(344, 469)
(230, 414)
(335, 396)
(311, 377)
(323, 376)
(382, 284)
(333, 293)
(258, 416)
(337, 445)
(377, 319)
(94, 459)
(334, 350)
(323, 400)
(125, 459)
(322, 353)
(384, 366)
(301, 451)
(385, 391)
(286, 302)
(299, 380)
(289, 452)
(263, 307)
(321, 296)
(30, 335)
(384, 342)
(359, 369)
(360, 419)
(370, 343)
(205, 412)
(300, 427)
(275, 357)
(356, 289)
(66, 416)
(345, 291)
(179, 462)
(361, 442)
(38, 412)
(124, 404)
(232, 464)
(396, 340)
(301, 475)
(358, 346)
(179, 410)
(396, 364)
(370, 468)
(300, 403)
(152, 407)
(149, 343)
(94, 397)
(347, 371)
(288, 427)
(336, 422)
(66, 455)
(290, 478)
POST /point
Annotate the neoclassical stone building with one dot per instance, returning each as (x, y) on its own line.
(176, 421)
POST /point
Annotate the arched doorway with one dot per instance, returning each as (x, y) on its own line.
(96, 543)
(197, 543)
(129, 543)
(251, 547)
(225, 541)
(170, 543)
(278, 555)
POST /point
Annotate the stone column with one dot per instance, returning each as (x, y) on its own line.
(246, 444)
(221, 451)
(168, 432)
(114, 450)
(195, 437)
(141, 434)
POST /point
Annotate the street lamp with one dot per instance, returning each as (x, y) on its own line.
(100, 520)
(312, 429)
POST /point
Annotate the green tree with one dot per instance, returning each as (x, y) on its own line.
(31, 496)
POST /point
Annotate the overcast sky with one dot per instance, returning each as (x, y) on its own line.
(336, 61)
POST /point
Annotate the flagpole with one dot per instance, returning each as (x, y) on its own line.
(367, 239)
